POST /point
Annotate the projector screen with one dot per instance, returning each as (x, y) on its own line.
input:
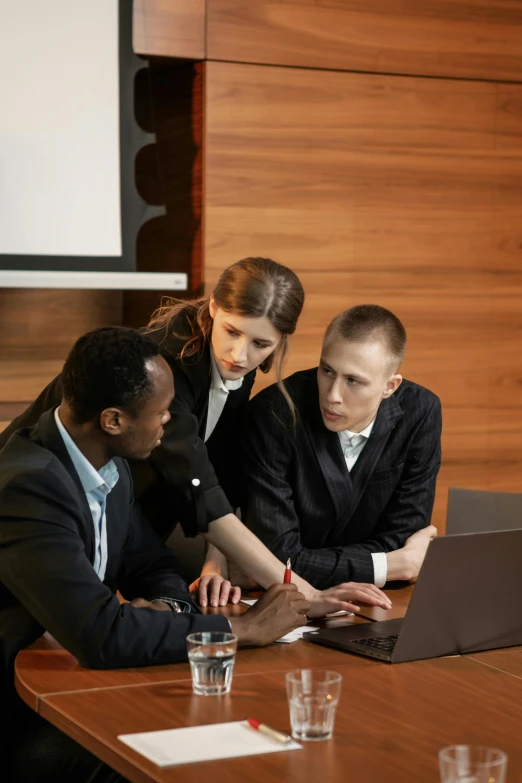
(59, 128)
(60, 157)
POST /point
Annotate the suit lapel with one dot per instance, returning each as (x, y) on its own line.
(117, 513)
(201, 377)
(239, 397)
(328, 452)
(52, 440)
(197, 370)
(346, 488)
(388, 414)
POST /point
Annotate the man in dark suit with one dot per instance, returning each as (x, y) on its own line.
(71, 535)
(345, 489)
(165, 480)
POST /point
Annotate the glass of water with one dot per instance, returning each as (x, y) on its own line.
(313, 695)
(212, 655)
(472, 764)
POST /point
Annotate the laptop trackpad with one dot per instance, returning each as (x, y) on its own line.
(350, 633)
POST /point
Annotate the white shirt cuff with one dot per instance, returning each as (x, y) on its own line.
(380, 568)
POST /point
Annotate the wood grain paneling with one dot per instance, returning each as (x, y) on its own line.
(505, 315)
(508, 661)
(22, 380)
(169, 28)
(391, 722)
(43, 322)
(40, 673)
(458, 38)
(402, 191)
(37, 330)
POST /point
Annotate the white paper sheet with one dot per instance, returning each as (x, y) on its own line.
(338, 614)
(296, 634)
(203, 743)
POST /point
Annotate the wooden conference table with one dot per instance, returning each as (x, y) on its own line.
(391, 720)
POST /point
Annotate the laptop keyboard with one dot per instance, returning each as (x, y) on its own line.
(384, 643)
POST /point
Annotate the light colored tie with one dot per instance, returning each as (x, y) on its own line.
(354, 442)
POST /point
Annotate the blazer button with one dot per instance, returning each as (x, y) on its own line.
(196, 482)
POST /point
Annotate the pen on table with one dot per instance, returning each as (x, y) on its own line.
(288, 573)
(262, 728)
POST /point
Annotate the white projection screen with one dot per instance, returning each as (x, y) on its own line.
(60, 157)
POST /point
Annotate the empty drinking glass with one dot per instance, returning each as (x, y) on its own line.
(313, 695)
(212, 655)
(472, 764)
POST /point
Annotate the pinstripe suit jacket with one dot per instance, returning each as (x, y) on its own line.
(300, 499)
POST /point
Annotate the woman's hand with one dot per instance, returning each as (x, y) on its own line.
(214, 590)
(347, 597)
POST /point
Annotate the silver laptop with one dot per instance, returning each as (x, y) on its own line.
(468, 598)
(478, 511)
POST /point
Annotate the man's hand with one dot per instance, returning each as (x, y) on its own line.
(214, 590)
(281, 609)
(157, 604)
(405, 563)
(347, 597)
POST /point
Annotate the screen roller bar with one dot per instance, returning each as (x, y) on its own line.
(123, 281)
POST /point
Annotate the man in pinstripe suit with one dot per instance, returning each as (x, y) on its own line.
(344, 484)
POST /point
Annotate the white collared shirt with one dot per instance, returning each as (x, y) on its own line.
(352, 444)
(217, 396)
(96, 485)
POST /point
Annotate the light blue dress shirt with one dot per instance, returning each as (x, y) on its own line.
(96, 485)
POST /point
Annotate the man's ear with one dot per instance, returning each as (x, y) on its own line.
(392, 384)
(113, 421)
(212, 306)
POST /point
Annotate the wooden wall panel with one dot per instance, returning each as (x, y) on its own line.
(505, 452)
(402, 191)
(37, 329)
(458, 38)
(169, 28)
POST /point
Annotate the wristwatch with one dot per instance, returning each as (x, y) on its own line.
(175, 606)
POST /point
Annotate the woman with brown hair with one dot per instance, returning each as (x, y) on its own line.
(214, 346)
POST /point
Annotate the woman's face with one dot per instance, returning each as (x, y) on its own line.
(240, 343)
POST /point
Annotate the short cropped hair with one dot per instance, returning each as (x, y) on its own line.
(371, 322)
(106, 369)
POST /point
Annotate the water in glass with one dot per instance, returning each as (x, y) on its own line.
(312, 717)
(212, 667)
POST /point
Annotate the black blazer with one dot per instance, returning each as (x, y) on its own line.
(163, 483)
(47, 580)
(300, 499)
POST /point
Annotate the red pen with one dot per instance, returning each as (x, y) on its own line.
(262, 728)
(288, 573)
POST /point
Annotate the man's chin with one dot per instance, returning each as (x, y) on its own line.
(141, 457)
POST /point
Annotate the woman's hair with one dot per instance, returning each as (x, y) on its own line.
(253, 287)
